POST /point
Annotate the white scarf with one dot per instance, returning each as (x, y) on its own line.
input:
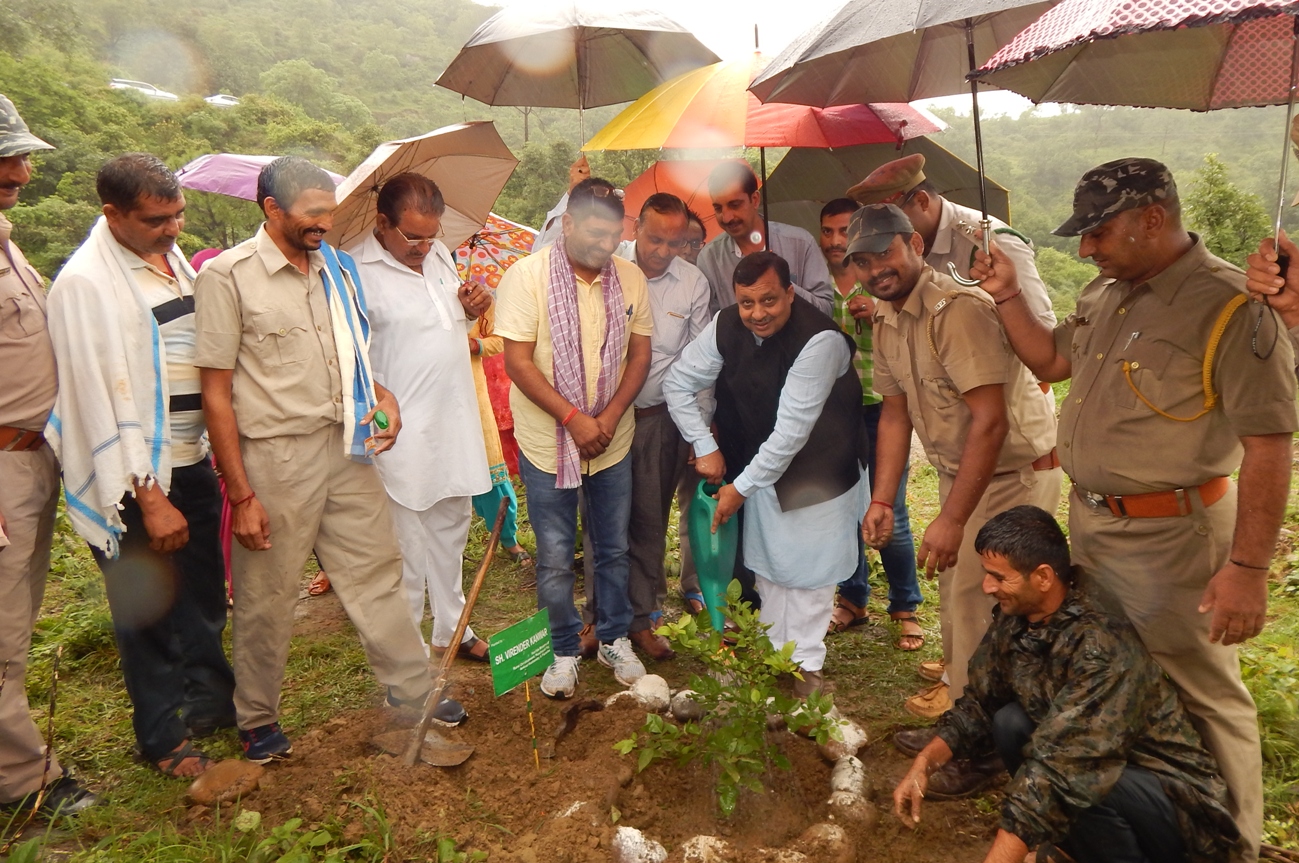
(110, 424)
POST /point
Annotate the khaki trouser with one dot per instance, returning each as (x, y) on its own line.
(964, 610)
(1156, 570)
(29, 494)
(318, 498)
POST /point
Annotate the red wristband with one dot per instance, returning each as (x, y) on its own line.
(568, 419)
(242, 501)
(881, 503)
(1008, 299)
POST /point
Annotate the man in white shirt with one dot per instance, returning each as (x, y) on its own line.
(420, 315)
(678, 300)
(143, 493)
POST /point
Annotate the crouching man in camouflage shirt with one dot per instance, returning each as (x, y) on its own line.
(1104, 761)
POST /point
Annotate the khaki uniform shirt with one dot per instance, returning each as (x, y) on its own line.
(956, 242)
(258, 314)
(969, 349)
(521, 316)
(26, 354)
(1110, 441)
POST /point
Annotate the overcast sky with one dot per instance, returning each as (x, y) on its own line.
(726, 26)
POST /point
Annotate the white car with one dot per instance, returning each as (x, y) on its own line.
(141, 87)
(222, 100)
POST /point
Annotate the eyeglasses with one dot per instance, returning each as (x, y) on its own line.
(695, 245)
(425, 242)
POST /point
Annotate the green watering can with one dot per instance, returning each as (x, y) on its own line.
(714, 552)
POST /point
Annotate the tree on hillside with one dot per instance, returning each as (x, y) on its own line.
(1065, 277)
(1231, 222)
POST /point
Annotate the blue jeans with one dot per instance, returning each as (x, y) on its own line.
(553, 514)
(1134, 823)
(899, 556)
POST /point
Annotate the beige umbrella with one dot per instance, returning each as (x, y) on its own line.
(469, 162)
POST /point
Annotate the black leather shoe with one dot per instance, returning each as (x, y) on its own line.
(958, 779)
(910, 741)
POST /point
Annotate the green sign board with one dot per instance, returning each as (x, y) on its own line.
(520, 652)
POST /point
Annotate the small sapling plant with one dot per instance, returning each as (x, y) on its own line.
(737, 695)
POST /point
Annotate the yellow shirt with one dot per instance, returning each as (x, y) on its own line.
(521, 316)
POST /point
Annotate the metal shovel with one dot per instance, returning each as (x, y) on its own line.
(423, 744)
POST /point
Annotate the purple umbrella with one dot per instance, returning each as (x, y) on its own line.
(230, 174)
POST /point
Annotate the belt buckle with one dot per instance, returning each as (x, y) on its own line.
(1094, 500)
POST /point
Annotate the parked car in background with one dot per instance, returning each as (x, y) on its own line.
(142, 87)
(222, 100)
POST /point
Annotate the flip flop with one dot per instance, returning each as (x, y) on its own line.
(904, 617)
(319, 585)
(857, 616)
(167, 764)
(695, 602)
(521, 557)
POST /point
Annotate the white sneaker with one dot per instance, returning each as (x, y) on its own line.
(627, 668)
(560, 679)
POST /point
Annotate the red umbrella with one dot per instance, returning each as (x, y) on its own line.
(1197, 54)
(686, 179)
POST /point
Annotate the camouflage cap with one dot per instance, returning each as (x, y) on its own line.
(872, 228)
(1112, 188)
(15, 138)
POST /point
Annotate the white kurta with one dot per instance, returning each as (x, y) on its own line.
(419, 349)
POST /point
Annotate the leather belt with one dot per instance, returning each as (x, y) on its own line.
(1050, 461)
(651, 411)
(1156, 504)
(19, 440)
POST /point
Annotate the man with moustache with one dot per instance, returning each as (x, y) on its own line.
(421, 315)
(577, 324)
(853, 312)
(128, 428)
(288, 394)
(944, 368)
(738, 206)
(790, 448)
(1106, 765)
(29, 494)
(678, 300)
(1176, 383)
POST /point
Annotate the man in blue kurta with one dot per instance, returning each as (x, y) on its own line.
(790, 447)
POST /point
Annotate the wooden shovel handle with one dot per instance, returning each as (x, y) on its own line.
(449, 655)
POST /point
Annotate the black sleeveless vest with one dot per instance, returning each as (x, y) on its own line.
(748, 397)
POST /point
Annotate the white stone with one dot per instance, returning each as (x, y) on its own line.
(625, 695)
(632, 846)
(846, 738)
(652, 691)
(853, 808)
(685, 709)
(848, 775)
(705, 849)
(827, 843)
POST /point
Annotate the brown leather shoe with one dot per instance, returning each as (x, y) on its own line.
(589, 643)
(656, 647)
(960, 778)
(910, 741)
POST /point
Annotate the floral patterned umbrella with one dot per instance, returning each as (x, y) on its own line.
(491, 250)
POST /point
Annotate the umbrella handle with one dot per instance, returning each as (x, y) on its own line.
(985, 226)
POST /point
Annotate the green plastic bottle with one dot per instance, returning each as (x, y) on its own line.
(714, 552)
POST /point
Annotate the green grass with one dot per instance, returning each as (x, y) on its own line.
(144, 813)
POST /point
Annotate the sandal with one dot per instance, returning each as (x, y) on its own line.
(917, 638)
(694, 602)
(319, 585)
(856, 616)
(519, 555)
(167, 764)
(469, 650)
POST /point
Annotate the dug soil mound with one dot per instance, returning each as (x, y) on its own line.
(567, 811)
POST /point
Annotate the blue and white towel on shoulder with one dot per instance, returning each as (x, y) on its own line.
(351, 326)
(110, 425)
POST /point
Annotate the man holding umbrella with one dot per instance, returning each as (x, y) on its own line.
(1173, 389)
